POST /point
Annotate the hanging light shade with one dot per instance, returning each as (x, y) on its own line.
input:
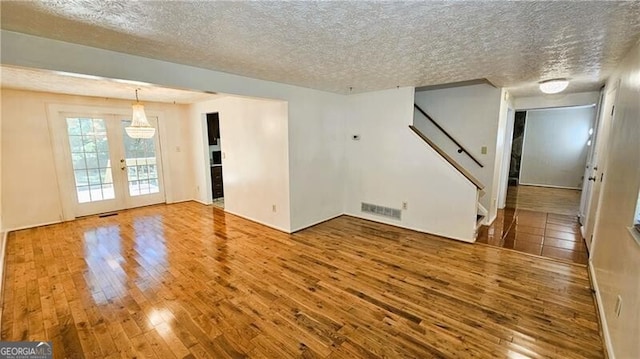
(140, 127)
(553, 86)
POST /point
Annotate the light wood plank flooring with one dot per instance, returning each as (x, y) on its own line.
(544, 199)
(189, 281)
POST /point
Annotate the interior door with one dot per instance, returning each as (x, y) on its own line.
(110, 170)
(598, 166)
(588, 178)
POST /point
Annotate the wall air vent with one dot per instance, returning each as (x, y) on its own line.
(381, 211)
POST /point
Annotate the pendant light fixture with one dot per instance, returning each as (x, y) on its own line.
(554, 85)
(140, 127)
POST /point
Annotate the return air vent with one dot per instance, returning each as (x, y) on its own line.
(381, 211)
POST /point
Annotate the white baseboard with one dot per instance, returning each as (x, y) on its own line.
(202, 202)
(547, 185)
(394, 224)
(316, 223)
(31, 226)
(179, 201)
(603, 320)
(259, 222)
(488, 222)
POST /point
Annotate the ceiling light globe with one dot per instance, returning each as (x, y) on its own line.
(553, 86)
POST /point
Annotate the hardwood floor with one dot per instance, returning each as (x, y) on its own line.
(544, 199)
(189, 281)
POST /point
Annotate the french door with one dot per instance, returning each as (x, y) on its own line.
(110, 170)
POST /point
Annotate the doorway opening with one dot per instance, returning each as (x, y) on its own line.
(550, 148)
(516, 147)
(109, 171)
(215, 159)
(549, 152)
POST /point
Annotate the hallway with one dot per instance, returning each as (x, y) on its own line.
(544, 199)
(541, 221)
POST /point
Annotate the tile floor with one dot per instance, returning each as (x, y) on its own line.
(545, 234)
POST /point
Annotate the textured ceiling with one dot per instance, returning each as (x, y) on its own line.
(367, 45)
(49, 81)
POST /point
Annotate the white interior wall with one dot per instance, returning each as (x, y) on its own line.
(556, 100)
(317, 164)
(255, 164)
(390, 164)
(472, 115)
(554, 152)
(28, 170)
(314, 166)
(615, 257)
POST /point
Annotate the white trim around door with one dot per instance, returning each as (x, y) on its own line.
(118, 183)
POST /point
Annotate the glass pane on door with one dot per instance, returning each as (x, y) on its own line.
(90, 159)
(141, 161)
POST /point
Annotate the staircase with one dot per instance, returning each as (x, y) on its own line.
(480, 217)
(481, 212)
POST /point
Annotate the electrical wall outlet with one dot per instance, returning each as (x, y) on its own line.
(483, 150)
(405, 205)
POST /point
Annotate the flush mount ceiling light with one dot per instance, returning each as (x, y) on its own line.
(554, 85)
(131, 82)
(140, 127)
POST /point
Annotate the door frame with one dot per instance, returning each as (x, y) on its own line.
(602, 141)
(150, 199)
(61, 159)
(108, 205)
(587, 186)
(506, 158)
